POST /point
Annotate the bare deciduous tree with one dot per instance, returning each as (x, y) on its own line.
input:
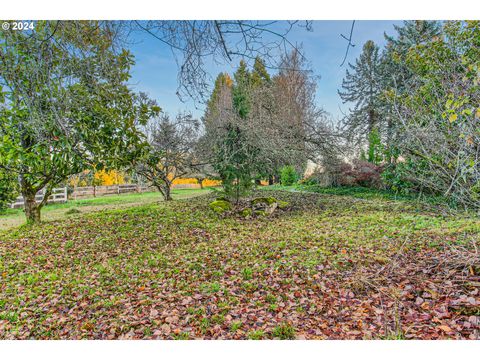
(196, 43)
(169, 154)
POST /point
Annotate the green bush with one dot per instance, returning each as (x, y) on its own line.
(8, 190)
(397, 177)
(288, 175)
(311, 180)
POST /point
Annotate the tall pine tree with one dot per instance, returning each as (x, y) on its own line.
(362, 87)
(396, 74)
(260, 76)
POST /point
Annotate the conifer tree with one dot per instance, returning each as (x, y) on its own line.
(362, 86)
(396, 74)
(260, 75)
(241, 90)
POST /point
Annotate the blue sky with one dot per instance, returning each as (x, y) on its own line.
(155, 71)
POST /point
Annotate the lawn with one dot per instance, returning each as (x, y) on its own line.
(326, 267)
(15, 217)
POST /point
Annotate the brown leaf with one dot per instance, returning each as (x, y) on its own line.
(445, 328)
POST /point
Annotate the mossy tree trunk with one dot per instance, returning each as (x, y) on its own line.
(32, 209)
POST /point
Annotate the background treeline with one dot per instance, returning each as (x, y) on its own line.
(415, 112)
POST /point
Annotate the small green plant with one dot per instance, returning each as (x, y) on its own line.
(210, 287)
(218, 319)
(247, 274)
(72, 211)
(236, 325)
(284, 331)
(69, 244)
(273, 307)
(204, 325)
(249, 286)
(147, 332)
(9, 316)
(288, 175)
(393, 336)
(256, 335)
(214, 287)
(182, 336)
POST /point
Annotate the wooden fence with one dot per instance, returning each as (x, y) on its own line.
(93, 191)
(185, 186)
(59, 195)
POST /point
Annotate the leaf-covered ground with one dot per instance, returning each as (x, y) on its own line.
(12, 218)
(328, 267)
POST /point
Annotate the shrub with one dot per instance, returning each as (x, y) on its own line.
(367, 174)
(288, 175)
(333, 172)
(359, 173)
(396, 176)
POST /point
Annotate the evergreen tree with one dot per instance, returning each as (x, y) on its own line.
(222, 80)
(362, 86)
(260, 76)
(397, 74)
(241, 90)
(226, 139)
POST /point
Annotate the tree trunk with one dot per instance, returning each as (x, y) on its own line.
(32, 210)
(371, 125)
(167, 192)
(200, 182)
(270, 180)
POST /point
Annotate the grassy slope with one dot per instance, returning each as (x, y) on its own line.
(365, 193)
(15, 217)
(329, 267)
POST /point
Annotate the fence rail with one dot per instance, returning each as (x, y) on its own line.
(186, 186)
(93, 191)
(59, 195)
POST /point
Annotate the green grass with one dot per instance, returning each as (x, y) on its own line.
(364, 193)
(15, 217)
(329, 266)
